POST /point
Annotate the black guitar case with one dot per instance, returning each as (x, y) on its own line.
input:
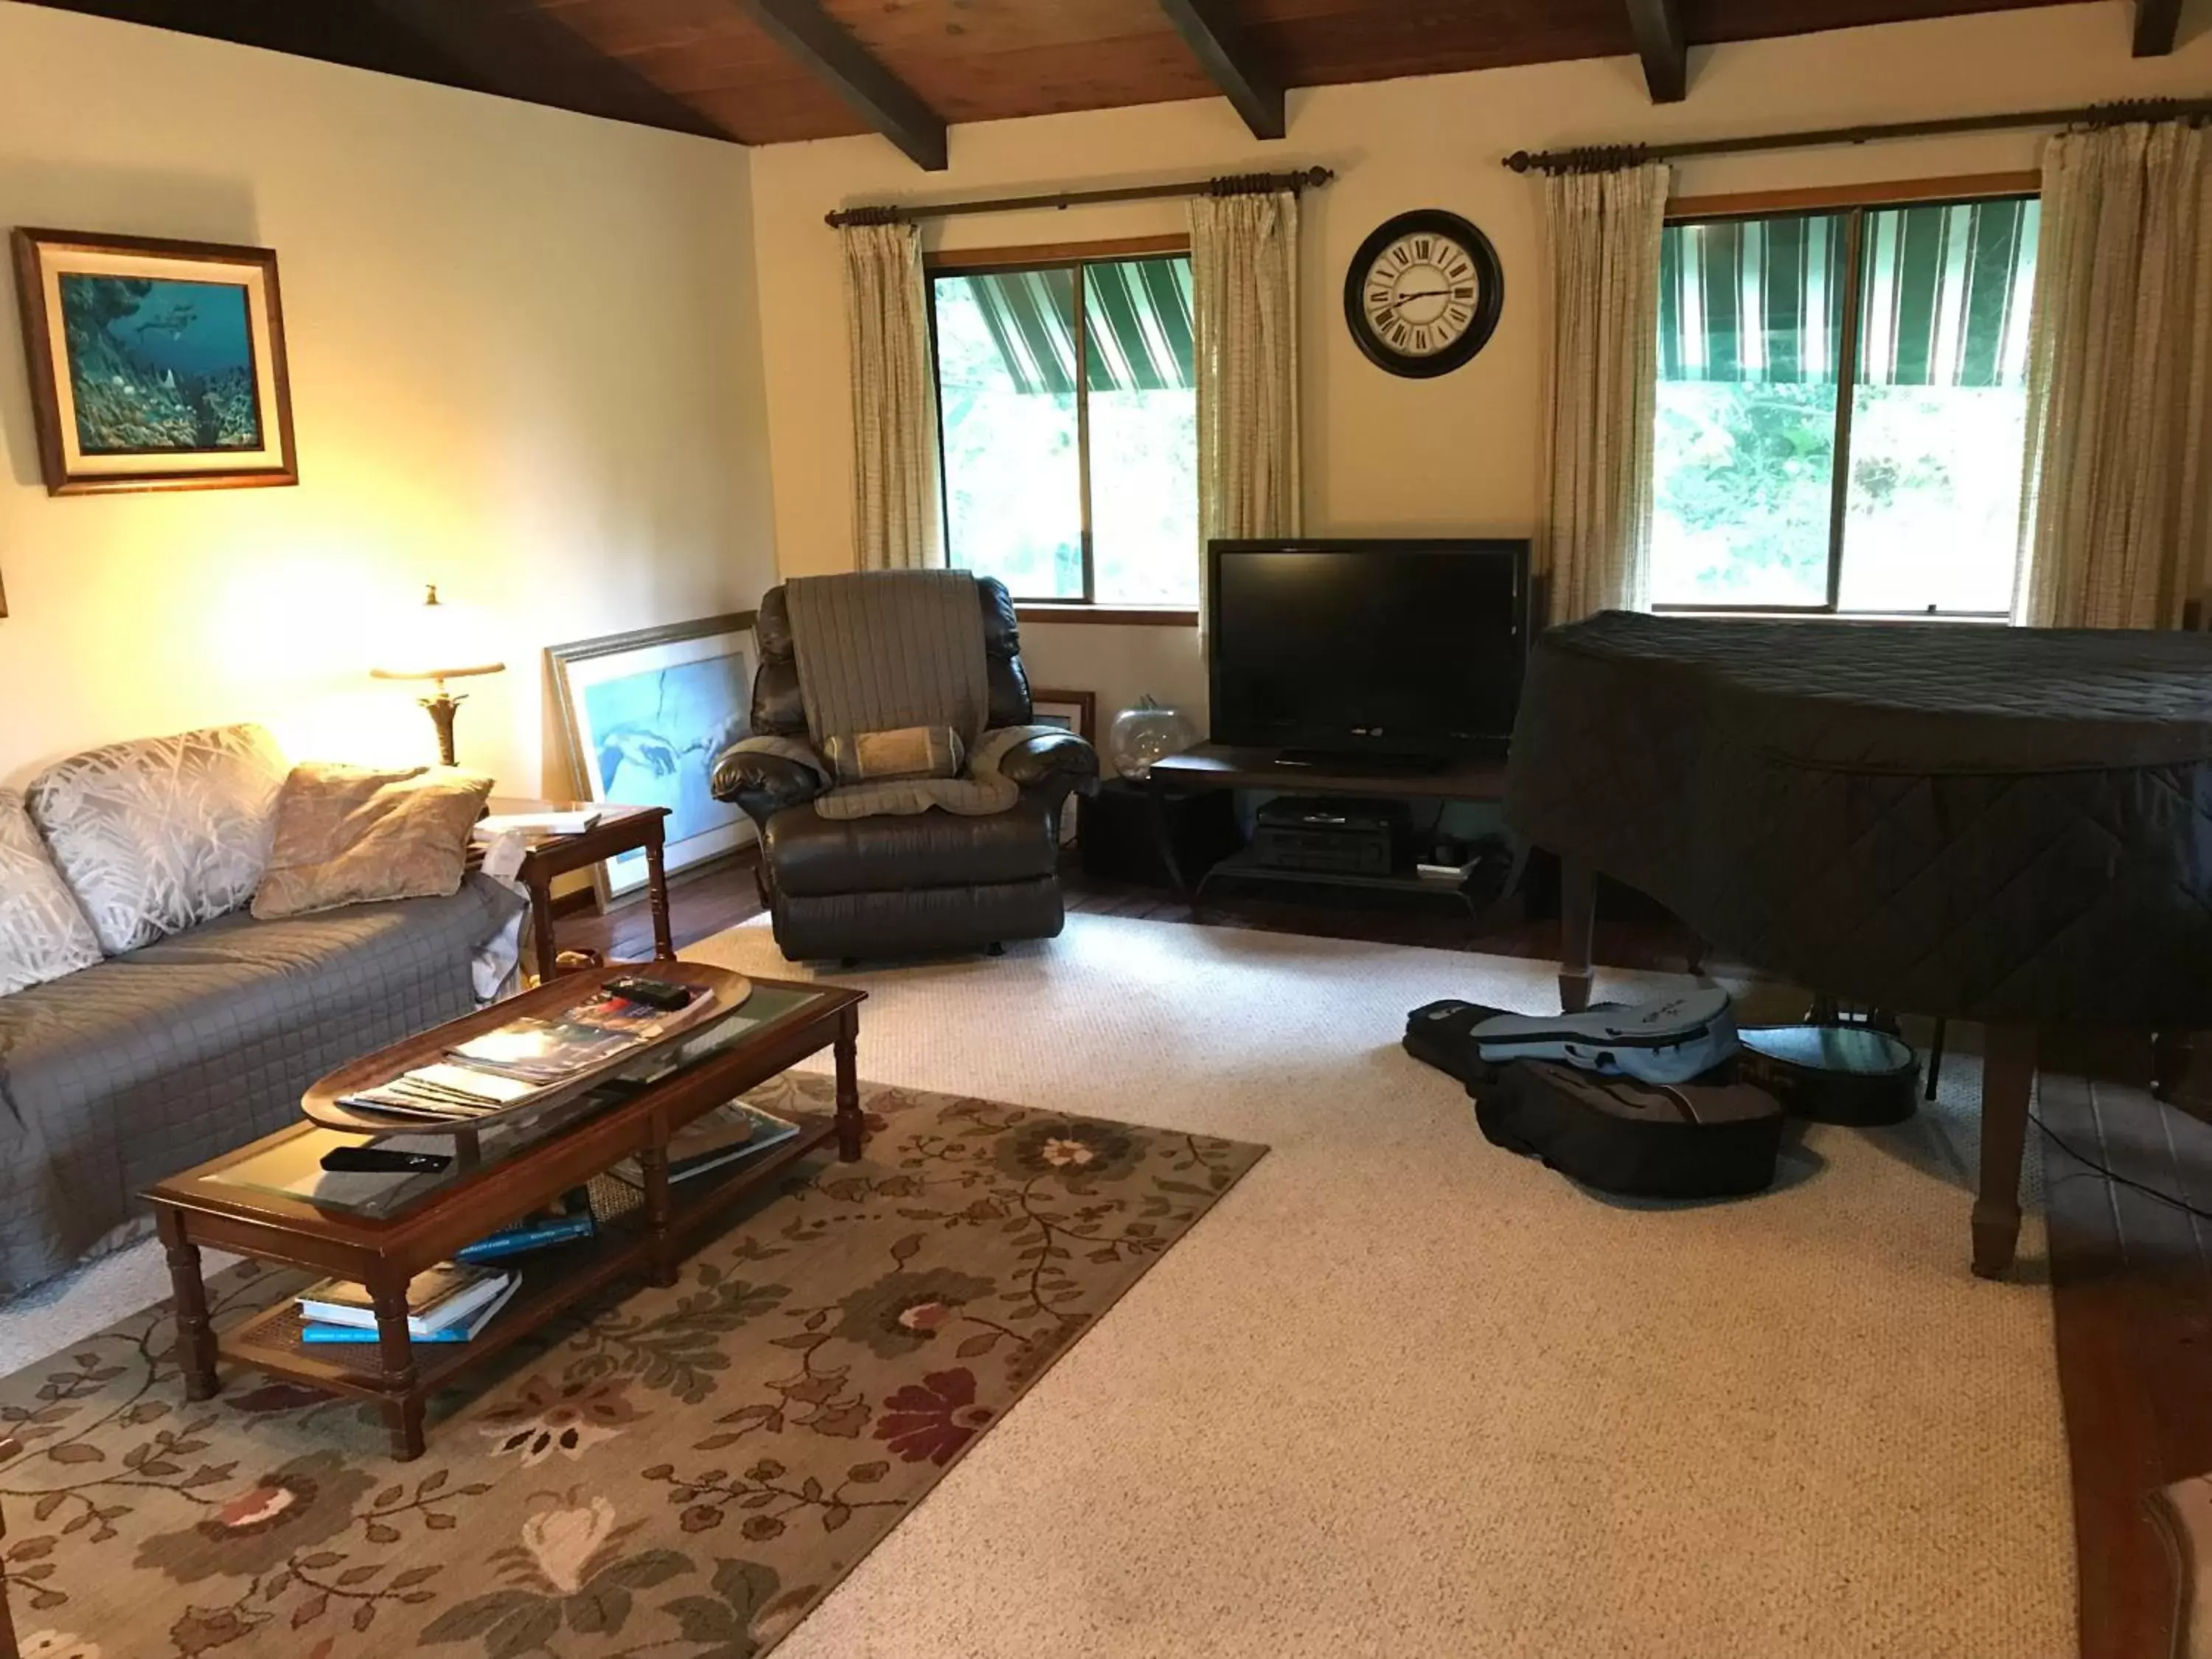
(1832, 1074)
(1640, 1140)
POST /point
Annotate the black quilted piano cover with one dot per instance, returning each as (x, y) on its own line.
(2008, 824)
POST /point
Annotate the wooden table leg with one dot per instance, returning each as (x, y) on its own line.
(1577, 928)
(195, 1334)
(660, 1214)
(851, 1125)
(403, 1404)
(656, 881)
(2008, 1085)
(541, 921)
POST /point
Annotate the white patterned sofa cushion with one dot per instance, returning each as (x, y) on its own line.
(162, 834)
(43, 932)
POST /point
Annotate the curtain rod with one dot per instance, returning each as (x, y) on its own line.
(1606, 158)
(1241, 184)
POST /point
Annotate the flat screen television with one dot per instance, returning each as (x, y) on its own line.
(1403, 650)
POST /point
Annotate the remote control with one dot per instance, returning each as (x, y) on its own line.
(378, 1160)
(653, 993)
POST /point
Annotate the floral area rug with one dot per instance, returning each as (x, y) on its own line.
(677, 1472)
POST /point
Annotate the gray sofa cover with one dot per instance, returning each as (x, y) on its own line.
(154, 1060)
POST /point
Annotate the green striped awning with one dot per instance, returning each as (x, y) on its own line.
(1137, 315)
(1944, 301)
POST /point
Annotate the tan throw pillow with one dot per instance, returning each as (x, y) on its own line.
(349, 836)
(911, 752)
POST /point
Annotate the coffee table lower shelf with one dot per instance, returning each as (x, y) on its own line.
(553, 1280)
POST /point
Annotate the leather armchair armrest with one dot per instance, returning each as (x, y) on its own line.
(1058, 761)
(763, 784)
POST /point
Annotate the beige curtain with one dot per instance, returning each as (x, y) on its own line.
(895, 521)
(1601, 389)
(2113, 523)
(1244, 282)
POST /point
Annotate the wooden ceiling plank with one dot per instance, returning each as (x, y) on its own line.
(1664, 48)
(804, 30)
(2158, 24)
(1217, 41)
(531, 55)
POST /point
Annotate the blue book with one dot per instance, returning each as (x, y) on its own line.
(530, 1236)
(336, 1334)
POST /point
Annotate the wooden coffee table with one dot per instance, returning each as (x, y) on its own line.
(255, 1201)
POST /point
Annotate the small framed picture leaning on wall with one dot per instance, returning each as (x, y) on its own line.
(1077, 712)
(646, 715)
(154, 364)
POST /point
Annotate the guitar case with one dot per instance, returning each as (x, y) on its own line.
(1669, 1039)
(1638, 1140)
(1851, 1074)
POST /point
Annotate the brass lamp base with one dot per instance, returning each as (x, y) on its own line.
(443, 708)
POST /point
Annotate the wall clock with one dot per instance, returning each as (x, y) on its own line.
(1424, 293)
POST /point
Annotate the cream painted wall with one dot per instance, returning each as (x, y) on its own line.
(524, 362)
(1385, 455)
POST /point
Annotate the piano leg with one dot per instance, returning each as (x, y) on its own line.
(2007, 1082)
(1578, 924)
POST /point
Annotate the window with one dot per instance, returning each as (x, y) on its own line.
(1842, 409)
(1068, 486)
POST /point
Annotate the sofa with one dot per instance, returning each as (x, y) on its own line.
(903, 882)
(148, 1023)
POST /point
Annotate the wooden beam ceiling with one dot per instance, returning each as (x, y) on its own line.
(1658, 25)
(2157, 23)
(769, 71)
(1217, 40)
(801, 28)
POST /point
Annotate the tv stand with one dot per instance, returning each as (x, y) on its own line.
(1296, 761)
(1220, 766)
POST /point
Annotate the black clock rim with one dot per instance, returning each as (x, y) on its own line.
(1488, 310)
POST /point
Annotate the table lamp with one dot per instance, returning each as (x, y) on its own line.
(436, 643)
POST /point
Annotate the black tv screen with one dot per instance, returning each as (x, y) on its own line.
(1402, 648)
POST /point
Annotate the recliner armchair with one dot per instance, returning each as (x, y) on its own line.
(904, 885)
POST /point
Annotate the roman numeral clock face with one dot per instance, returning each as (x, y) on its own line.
(1424, 293)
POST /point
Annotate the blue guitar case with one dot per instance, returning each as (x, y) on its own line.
(1671, 1039)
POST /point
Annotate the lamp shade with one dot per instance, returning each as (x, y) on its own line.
(435, 640)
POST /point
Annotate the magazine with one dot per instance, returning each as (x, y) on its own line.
(726, 1135)
(595, 1032)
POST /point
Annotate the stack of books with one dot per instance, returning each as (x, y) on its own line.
(565, 1223)
(731, 1133)
(526, 1059)
(448, 1303)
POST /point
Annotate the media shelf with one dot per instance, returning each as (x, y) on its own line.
(1221, 765)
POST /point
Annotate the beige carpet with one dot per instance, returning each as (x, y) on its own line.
(1405, 1396)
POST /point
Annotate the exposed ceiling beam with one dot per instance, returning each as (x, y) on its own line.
(1210, 29)
(1666, 52)
(528, 54)
(2157, 24)
(804, 30)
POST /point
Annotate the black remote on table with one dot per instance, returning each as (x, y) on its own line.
(379, 1160)
(653, 993)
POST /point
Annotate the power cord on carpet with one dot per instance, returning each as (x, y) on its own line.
(2114, 1175)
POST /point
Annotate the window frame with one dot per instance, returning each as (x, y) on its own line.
(1853, 203)
(1075, 257)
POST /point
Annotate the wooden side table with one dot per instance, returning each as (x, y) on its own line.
(620, 830)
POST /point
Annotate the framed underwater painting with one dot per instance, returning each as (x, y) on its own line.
(154, 365)
(647, 715)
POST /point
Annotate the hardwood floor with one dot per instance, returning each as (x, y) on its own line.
(2131, 1275)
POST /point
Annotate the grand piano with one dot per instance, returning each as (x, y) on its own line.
(2008, 826)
